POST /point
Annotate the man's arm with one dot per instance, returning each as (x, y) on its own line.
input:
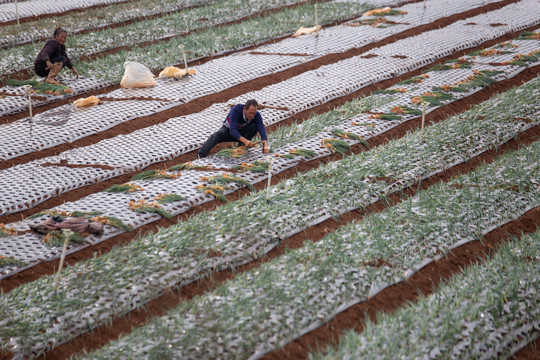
(262, 132)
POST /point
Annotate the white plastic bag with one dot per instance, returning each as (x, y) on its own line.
(137, 76)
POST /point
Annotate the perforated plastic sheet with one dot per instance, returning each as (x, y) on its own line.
(116, 204)
(344, 37)
(140, 148)
(66, 124)
(8, 11)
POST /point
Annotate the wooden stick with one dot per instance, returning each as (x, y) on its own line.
(29, 90)
(59, 273)
(17, 12)
(424, 4)
(316, 21)
(423, 121)
(181, 47)
(271, 160)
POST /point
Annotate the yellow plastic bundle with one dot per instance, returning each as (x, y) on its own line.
(304, 31)
(89, 101)
(171, 71)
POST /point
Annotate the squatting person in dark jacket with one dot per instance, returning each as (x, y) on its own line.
(53, 57)
(241, 125)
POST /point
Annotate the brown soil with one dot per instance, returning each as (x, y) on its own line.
(388, 300)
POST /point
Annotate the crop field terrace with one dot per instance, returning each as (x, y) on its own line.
(396, 216)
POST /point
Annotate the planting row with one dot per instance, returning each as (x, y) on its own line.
(128, 277)
(351, 124)
(91, 19)
(266, 308)
(174, 131)
(154, 30)
(335, 40)
(23, 9)
(489, 312)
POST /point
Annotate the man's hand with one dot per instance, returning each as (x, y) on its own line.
(249, 144)
(49, 65)
(75, 72)
(265, 149)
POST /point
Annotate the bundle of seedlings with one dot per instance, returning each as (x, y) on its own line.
(124, 188)
(169, 198)
(388, 116)
(308, 154)
(387, 11)
(480, 78)
(432, 98)
(214, 190)
(112, 221)
(336, 146)
(227, 179)
(143, 206)
(155, 174)
(451, 65)
(189, 166)
(404, 109)
(414, 80)
(10, 261)
(349, 135)
(56, 238)
(524, 59)
(41, 87)
(390, 91)
(241, 151)
(5, 231)
(258, 166)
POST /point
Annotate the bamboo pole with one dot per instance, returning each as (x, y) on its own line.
(316, 20)
(271, 161)
(424, 4)
(29, 91)
(17, 12)
(423, 121)
(181, 47)
(62, 258)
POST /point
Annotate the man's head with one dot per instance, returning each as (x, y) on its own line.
(60, 35)
(250, 109)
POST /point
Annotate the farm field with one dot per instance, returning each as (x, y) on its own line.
(396, 215)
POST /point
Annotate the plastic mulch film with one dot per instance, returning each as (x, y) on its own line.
(327, 83)
(66, 124)
(8, 11)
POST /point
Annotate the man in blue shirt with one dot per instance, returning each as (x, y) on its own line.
(241, 125)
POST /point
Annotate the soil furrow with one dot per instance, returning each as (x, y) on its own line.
(201, 103)
(388, 300)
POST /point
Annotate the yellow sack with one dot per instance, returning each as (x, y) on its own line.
(171, 71)
(137, 76)
(89, 101)
(304, 31)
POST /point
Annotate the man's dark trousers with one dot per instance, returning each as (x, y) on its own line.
(224, 135)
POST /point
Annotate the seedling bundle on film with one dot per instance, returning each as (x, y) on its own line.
(155, 174)
(336, 146)
(214, 190)
(258, 166)
(124, 188)
(227, 179)
(143, 206)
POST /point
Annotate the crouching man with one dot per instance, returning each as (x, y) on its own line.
(241, 125)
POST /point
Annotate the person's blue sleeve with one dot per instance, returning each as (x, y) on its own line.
(234, 118)
(260, 127)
